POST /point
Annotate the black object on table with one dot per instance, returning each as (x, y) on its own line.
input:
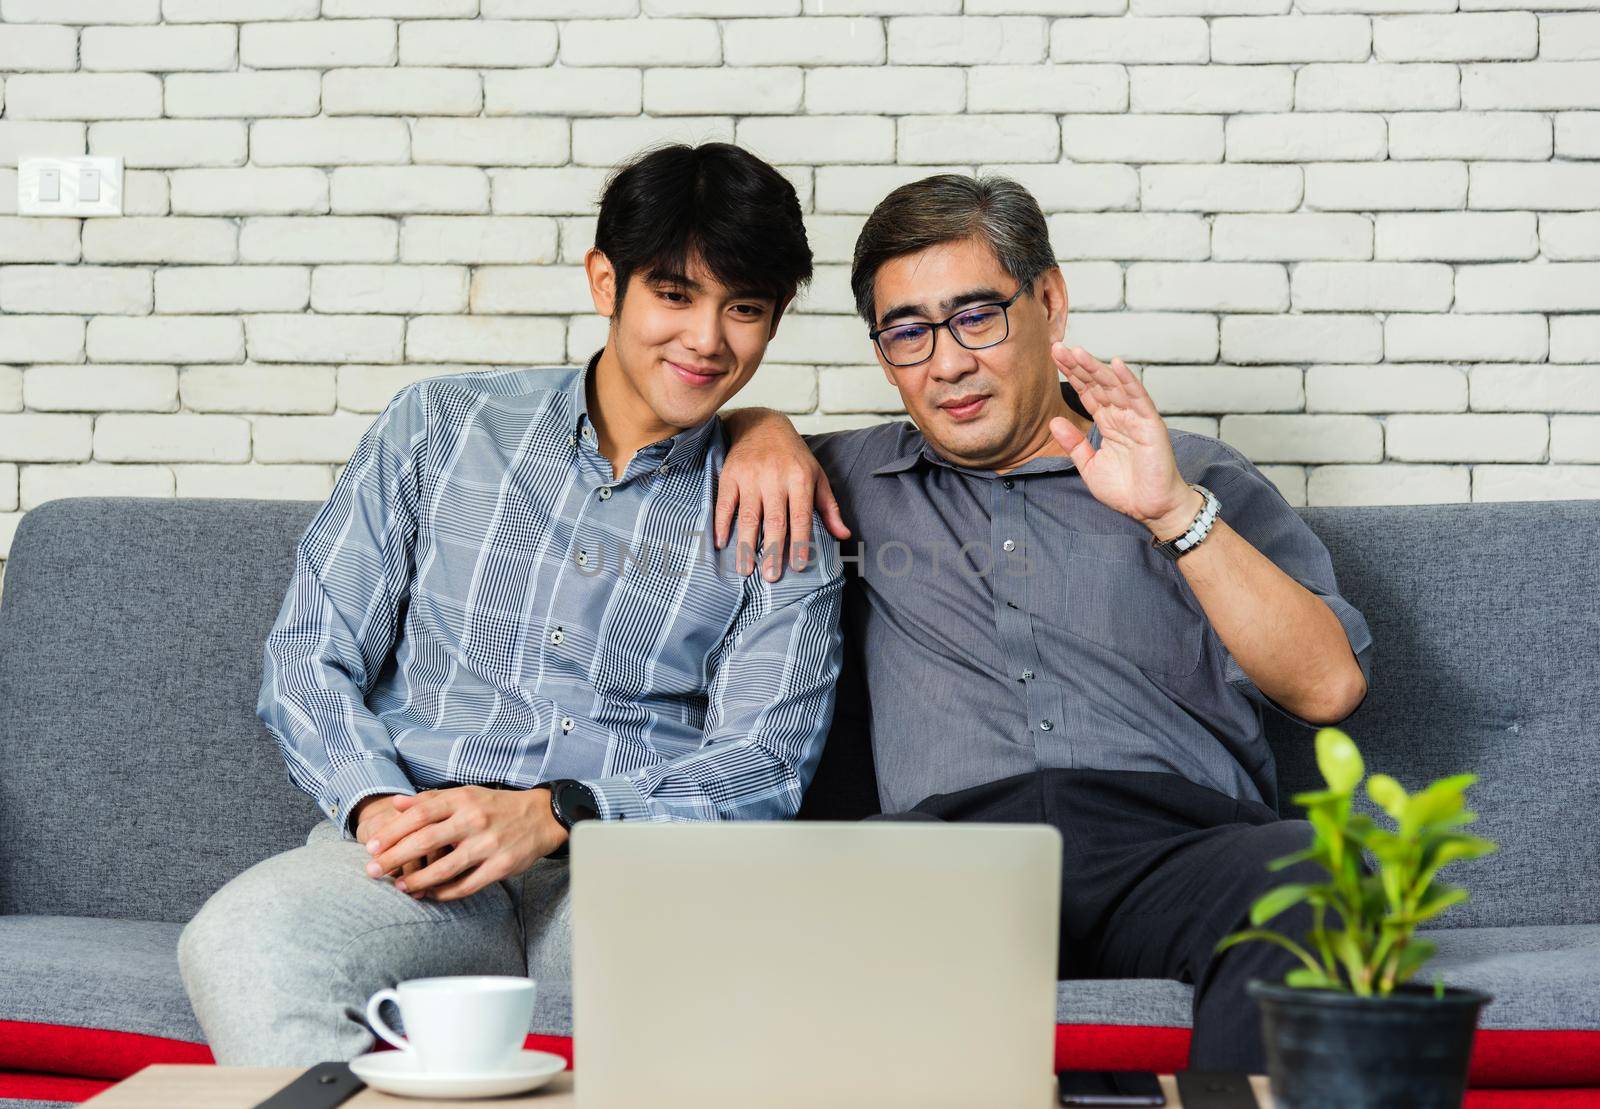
(321, 1087)
(1109, 1088)
(1199, 1089)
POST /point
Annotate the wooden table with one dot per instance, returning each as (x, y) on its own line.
(201, 1086)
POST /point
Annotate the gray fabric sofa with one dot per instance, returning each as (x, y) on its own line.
(135, 779)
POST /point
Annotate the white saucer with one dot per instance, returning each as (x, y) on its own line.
(395, 1072)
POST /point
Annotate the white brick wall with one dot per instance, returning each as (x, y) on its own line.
(1358, 239)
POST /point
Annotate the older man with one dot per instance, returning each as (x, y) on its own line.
(1065, 611)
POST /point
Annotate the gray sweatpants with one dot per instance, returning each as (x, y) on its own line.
(279, 962)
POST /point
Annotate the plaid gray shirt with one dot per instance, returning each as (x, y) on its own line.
(481, 601)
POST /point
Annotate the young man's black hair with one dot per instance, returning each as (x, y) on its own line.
(716, 201)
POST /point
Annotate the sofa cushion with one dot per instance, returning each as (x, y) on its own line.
(19, 1090)
(1483, 620)
(130, 659)
(1538, 977)
(137, 779)
(103, 998)
(90, 972)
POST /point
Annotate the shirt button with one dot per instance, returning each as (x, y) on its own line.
(1008, 483)
(556, 636)
(583, 558)
(664, 467)
(572, 440)
(1026, 674)
(1008, 545)
(605, 492)
(566, 724)
(1045, 725)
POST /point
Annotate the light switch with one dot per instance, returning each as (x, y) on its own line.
(80, 185)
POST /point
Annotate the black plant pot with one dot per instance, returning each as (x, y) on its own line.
(1332, 1050)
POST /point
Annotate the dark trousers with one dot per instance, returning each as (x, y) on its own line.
(1156, 870)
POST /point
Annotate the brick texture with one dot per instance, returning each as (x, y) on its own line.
(1358, 241)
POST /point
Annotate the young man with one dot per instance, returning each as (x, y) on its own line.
(509, 616)
(1054, 622)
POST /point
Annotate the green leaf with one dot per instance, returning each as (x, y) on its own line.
(1388, 847)
(1439, 851)
(1457, 846)
(1454, 786)
(1331, 835)
(1385, 943)
(1309, 854)
(1388, 794)
(1412, 956)
(1446, 825)
(1393, 888)
(1438, 903)
(1339, 760)
(1322, 940)
(1269, 937)
(1440, 801)
(1359, 830)
(1318, 937)
(1361, 822)
(1315, 797)
(1349, 951)
(1301, 978)
(1273, 902)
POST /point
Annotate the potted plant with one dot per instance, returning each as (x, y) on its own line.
(1347, 1029)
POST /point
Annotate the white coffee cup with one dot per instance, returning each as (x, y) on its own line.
(458, 1024)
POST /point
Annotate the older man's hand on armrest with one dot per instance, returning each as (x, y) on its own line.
(771, 481)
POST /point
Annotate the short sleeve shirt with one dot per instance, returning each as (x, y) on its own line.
(1012, 623)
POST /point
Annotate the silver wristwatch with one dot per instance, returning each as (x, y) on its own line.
(1198, 530)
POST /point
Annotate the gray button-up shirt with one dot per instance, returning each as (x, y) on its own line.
(1013, 623)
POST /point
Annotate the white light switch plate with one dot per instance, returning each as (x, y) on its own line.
(69, 173)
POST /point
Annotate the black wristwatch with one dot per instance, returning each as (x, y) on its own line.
(570, 802)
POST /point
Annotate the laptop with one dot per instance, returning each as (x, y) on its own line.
(814, 964)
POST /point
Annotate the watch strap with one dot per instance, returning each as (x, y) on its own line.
(1197, 530)
(555, 811)
(320, 1087)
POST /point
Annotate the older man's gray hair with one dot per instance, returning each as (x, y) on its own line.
(944, 208)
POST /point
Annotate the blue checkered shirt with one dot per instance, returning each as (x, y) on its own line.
(481, 601)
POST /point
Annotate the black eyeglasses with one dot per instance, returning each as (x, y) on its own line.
(981, 325)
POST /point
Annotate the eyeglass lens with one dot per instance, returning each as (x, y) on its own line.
(983, 326)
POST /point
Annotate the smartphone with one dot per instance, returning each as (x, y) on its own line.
(1215, 1090)
(1109, 1087)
